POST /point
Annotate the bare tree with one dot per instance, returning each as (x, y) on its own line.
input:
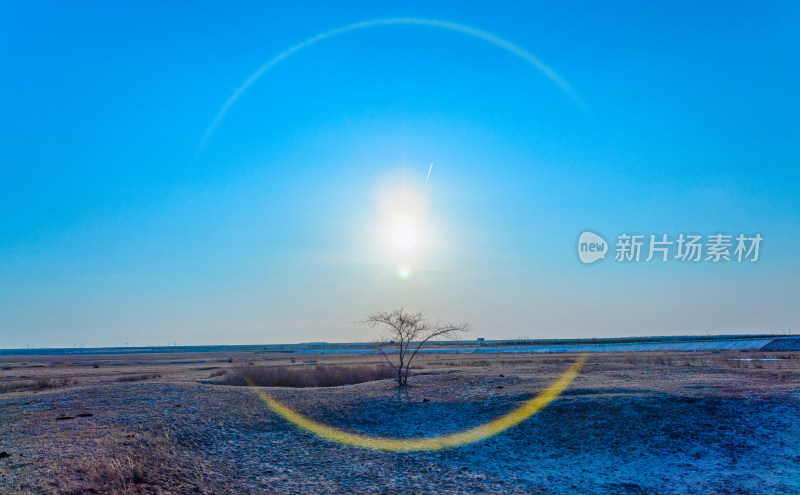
(405, 334)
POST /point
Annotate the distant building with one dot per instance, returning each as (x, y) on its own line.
(481, 339)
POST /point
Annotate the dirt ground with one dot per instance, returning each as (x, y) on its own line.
(631, 423)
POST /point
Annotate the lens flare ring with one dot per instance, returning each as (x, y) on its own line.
(481, 432)
(472, 435)
(432, 23)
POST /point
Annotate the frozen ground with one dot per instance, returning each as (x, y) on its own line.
(668, 423)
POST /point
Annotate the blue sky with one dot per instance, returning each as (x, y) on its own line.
(116, 226)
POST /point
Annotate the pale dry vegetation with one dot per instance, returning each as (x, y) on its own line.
(37, 384)
(305, 376)
(127, 463)
(139, 378)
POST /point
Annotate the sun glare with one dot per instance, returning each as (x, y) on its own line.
(403, 271)
(403, 226)
(404, 236)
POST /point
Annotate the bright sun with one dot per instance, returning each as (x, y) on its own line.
(403, 227)
(404, 236)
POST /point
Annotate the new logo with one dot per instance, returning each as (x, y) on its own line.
(591, 247)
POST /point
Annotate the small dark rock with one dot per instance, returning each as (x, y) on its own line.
(4, 454)
(85, 415)
(500, 386)
(502, 376)
(426, 400)
(178, 405)
(64, 418)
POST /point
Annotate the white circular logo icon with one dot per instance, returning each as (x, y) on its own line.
(591, 247)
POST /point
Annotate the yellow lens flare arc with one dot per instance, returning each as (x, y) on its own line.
(481, 432)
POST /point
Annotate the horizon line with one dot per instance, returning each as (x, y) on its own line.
(478, 340)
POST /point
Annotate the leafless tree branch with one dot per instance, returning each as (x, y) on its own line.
(408, 333)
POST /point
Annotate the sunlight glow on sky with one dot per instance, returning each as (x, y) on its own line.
(406, 235)
(307, 207)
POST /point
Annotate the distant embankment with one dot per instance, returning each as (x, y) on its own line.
(627, 344)
(651, 344)
(786, 344)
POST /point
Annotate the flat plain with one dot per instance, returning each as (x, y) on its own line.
(630, 423)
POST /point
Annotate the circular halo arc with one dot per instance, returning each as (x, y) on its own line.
(481, 432)
(433, 23)
(478, 433)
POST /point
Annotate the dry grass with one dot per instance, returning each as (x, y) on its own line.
(38, 384)
(51, 372)
(467, 363)
(301, 376)
(128, 464)
(138, 378)
(120, 475)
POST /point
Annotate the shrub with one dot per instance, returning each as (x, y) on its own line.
(38, 384)
(42, 383)
(6, 387)
(301, 376)
(138, 378)
(406, 333)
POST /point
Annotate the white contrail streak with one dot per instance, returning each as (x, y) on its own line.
(451, 26)
(429, 173)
